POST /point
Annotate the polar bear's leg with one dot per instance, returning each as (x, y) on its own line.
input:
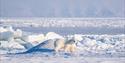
(58, 48)
(70, 48)
(73, 48)
(67, 48)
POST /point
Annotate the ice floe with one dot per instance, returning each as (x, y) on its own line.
(11, 40)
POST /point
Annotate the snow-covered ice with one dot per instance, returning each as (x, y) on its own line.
(53, 35)
(26, 47)
(91, 43)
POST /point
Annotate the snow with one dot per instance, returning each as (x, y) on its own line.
(7, 35)
(65, 22)
(34, 39)
(78, 37)
(90, 43)
(44, 58)
(53, 35)
(22, 46)
(18, 33)
(2, 29)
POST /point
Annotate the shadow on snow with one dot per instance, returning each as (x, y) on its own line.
(38, 48)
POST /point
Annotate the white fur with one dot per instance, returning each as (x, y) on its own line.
(70, 47)
(59, 44)
(65, 45)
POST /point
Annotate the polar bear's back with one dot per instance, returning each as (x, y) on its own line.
(59, 42)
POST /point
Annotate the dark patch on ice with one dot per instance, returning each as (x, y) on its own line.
(38, 48)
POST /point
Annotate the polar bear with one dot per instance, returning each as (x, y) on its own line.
(66, 45)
